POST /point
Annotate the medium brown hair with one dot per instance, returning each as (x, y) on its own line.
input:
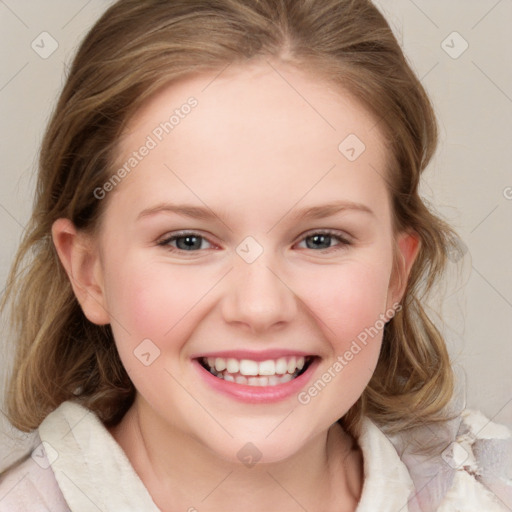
(137, 47)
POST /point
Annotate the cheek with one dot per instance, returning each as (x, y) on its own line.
(348, 299)
(349, 304)
(151, 300)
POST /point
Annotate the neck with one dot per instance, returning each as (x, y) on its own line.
(182, 474)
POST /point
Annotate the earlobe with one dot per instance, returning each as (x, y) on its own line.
(407, 247)
(82, 265)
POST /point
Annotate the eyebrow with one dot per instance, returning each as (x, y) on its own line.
(326, 210)
(311, 213)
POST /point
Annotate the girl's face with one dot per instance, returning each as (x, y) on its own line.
(255, 227)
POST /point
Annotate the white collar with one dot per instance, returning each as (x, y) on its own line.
(91, 469)
(387, 486)
(94, 473)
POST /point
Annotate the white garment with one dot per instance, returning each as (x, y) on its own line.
(78, 466)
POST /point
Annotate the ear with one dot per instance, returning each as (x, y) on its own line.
(406, 249)
(81, 261)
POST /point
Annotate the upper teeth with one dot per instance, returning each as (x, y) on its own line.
(249, 367)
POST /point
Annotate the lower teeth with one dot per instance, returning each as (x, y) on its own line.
(272, 380)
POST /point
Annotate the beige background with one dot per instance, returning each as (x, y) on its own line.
(469, 182)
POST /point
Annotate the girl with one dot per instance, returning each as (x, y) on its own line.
(218, 302)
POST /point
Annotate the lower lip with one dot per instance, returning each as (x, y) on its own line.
(257, 394)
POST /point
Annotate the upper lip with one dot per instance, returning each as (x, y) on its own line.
(253, 355)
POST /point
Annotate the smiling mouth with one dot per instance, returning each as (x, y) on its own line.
(271, 372)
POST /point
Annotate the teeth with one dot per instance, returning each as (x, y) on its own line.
(220, 364)
(241, 379)
(281, 366)
(273, 380)
(232, 366)
(291, 365)
(267, 368)
(257, 381)
(264, 373)
(248, 367)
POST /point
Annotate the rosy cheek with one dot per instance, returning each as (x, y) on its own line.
(348, 302)
(156, 301)
(152, 304)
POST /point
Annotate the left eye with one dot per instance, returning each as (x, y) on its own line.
(186, 242)
(322, 240)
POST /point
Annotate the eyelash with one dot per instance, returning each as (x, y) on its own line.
(343, 242)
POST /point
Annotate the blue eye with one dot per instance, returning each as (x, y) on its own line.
(322, 240)
(186, 242)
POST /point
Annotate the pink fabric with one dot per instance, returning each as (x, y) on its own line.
(31, 486)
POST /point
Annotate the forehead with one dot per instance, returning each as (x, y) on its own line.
(261, 126)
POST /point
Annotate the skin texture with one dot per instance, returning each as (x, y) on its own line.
(254, 151)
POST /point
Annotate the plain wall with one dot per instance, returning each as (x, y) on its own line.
(469, 182)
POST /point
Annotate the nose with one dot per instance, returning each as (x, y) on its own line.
(257, 299)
